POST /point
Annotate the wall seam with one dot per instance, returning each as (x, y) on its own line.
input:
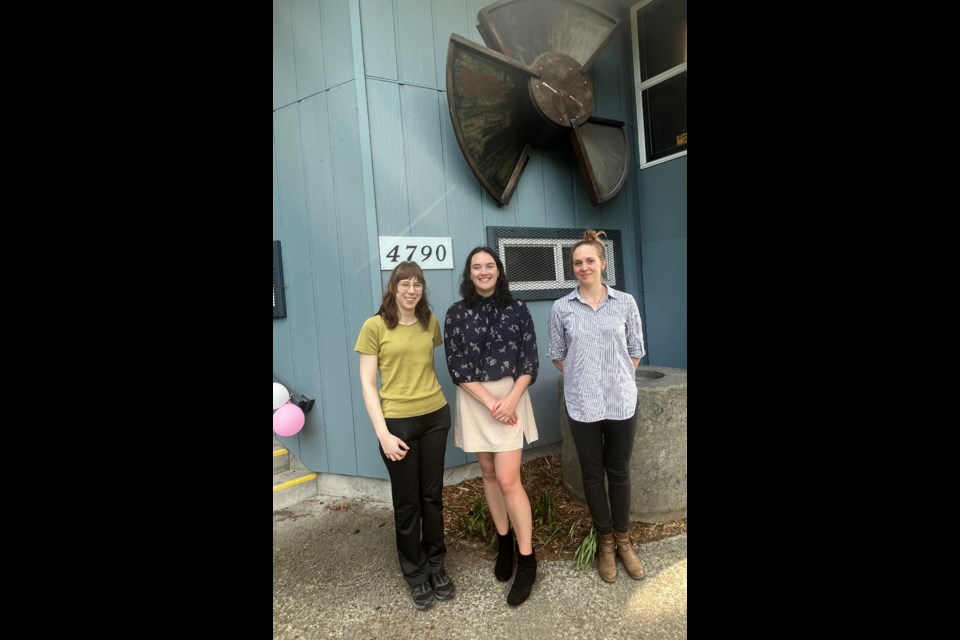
(366, 163)
(366, 156)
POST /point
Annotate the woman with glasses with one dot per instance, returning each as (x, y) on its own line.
(491, 350)
(411, 418)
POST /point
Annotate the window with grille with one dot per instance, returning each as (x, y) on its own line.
(538, 262)
(659, 29)
(279, 301)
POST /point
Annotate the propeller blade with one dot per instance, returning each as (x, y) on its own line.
(526, 29)
(485, 91)
(603, 155)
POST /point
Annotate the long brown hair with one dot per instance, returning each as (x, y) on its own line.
(501, 292)
(388, 305)
(592, 238)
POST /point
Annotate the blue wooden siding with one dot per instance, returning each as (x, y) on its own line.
(284, 71)
(308, 47)
(282, 339)
(663, 229)
(414, 34)
(424, 161)
(311, 48)
(330, 362)
(605, 74)
(449, 17)
(386, 142)
(337, 42)
(421, 186)
(379, 54)
(355, 273)
(296, 252)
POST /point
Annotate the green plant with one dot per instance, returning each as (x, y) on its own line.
(551, 534)
(583, 556)
(546, 521)
(573, 527)
(474, 522)
(544, 512)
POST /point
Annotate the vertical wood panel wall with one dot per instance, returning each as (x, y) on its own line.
(284, 71)
(318, 196)
(663, 199)
(308, 48)
(422, 186)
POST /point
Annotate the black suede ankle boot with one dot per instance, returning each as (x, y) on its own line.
(504, 567)
(526, 576)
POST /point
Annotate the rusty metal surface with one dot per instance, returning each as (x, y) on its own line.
(563, 93)
(531, 88)
(603, 155)
(484, 92)
(526, 29)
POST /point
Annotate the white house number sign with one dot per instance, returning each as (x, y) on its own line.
(429, 253)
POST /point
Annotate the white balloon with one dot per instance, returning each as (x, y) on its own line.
(280, 395)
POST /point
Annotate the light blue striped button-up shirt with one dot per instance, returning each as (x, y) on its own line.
(599, 381)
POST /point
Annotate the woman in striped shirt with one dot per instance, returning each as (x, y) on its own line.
(596, 340)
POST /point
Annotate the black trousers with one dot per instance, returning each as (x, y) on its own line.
(416, 483)
(606, 447)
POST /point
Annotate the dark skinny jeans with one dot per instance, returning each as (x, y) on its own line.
(606, 446)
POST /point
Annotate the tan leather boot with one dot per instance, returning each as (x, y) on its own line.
(606, 557)
(631, 562)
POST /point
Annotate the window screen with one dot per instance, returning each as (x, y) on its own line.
(538, 262)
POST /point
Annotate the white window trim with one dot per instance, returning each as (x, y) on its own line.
(639, 88)
(558, 244)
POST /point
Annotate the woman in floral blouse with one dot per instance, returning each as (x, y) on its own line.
(491, 350)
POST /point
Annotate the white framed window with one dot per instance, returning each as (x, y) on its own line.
(538, 262)
(659, 30)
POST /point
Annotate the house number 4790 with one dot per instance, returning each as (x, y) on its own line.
(429, 253)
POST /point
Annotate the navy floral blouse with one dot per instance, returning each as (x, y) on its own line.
(489, 342)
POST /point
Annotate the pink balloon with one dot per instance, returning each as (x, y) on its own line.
(288, 420)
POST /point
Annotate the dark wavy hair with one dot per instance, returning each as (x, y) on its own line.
(501, 292)
(388, 305)
(593, 239)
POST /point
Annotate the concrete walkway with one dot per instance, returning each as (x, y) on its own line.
(336, 575)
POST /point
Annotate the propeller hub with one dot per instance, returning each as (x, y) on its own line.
(563, 92)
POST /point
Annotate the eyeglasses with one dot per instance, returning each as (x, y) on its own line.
(405, 286)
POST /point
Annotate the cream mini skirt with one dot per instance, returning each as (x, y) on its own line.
(474, 429)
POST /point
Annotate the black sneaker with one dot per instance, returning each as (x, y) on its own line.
(442, 585)
(422, 595)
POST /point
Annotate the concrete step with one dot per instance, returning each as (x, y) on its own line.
(293, 486)
(293, 482)
(281, 459)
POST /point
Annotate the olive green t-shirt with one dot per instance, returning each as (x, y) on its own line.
(408, 381)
